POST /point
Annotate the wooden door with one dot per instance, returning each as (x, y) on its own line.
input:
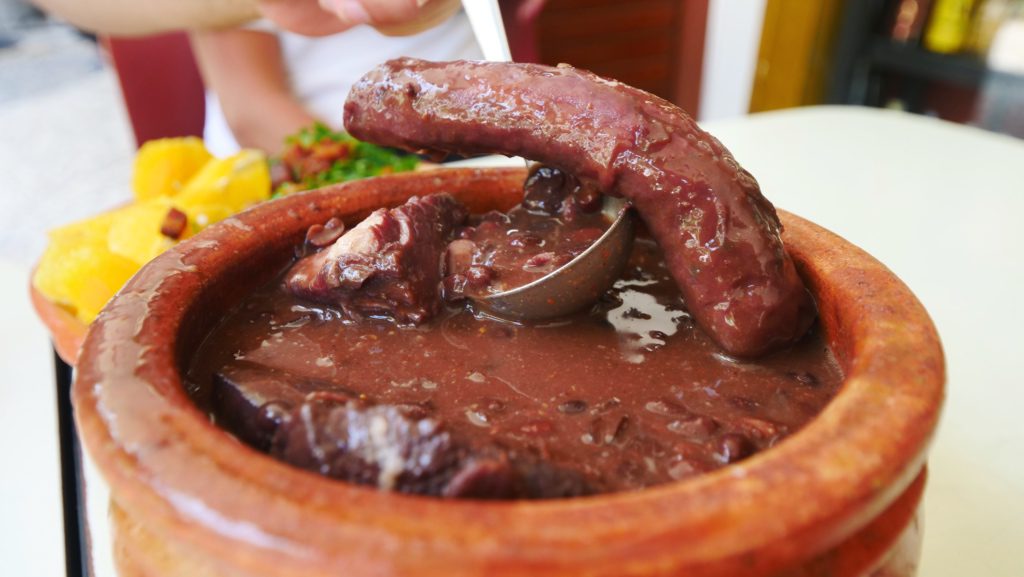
(655, 45)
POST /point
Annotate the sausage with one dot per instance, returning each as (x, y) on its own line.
(719, 234)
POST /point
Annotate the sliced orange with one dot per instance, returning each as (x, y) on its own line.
(135, 230)
(162, 167)
(225, 186)
(78, 271)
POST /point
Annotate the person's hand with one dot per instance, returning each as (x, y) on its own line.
(322, 17)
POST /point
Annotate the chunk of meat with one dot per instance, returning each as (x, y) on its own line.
(553, 192)
(399, 449)
(252, 400)
(390, 265)
(720, 236)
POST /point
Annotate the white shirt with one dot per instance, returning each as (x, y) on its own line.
(322, 70)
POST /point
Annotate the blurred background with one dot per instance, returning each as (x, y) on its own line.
(95, 99)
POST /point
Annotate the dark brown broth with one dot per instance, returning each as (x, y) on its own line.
(631, 393)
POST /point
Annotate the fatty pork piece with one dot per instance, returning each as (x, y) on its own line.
(389, 265)
(399, 448)
(326, 428)
(251, 399)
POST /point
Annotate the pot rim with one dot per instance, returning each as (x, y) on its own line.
(166, 462)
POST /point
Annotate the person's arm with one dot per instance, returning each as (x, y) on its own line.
(140, 17)
(245, 70)
(311, 17)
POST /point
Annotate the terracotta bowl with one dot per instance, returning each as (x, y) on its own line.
(838, 498)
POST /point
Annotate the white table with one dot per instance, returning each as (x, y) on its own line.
(940, 204)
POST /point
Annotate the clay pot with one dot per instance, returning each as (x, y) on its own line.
(838, 498)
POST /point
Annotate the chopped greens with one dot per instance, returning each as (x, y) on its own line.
(317, 156)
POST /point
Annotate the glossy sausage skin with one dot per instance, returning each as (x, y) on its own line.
(720, 236)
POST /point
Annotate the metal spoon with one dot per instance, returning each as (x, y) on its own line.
(585, 278)
(576, 284)
(489, 29)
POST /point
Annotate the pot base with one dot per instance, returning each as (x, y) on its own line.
(888, 547)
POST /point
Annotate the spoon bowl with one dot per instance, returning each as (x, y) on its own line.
(576, 284)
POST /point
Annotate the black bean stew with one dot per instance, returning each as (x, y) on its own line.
(557, 221)
(627, 395)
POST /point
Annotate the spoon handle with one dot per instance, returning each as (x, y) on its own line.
(485, 19)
